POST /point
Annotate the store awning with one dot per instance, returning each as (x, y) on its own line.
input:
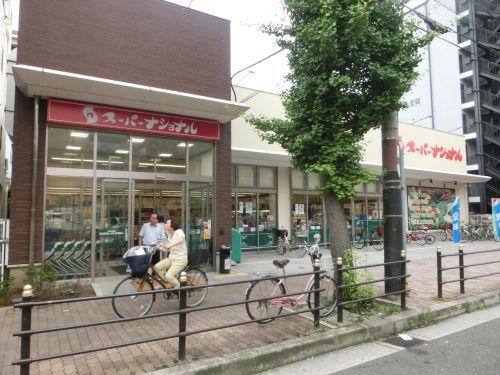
(417, 173)
(49, 83)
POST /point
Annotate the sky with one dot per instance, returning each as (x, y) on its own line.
(248, 43)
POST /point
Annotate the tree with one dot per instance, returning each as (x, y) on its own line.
(350, 63)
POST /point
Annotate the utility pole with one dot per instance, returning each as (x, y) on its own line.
(393, 218)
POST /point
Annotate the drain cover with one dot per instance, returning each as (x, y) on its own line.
(403, 342)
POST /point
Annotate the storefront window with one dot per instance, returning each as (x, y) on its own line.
(70, 148)
(297, 180)
(159, 155)
(299, 222)
(68, 225)
(201, 159)
(313, 181)
(255, 215)
(247, 212)
(112, 151)
(246, 176)
(371, 187)
(267, 177)
(267, 211)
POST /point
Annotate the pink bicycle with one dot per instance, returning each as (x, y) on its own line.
(265, 303)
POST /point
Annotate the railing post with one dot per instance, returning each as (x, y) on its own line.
(26, 326)
(461, 269)
(182, 317)
(439, 273)
(340, 313)
(403, 280)
(316, 266)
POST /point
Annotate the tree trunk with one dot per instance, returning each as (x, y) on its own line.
(337, 226)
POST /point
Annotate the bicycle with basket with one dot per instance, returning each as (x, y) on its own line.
(132, 297)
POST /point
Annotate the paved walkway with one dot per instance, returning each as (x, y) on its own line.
(147, 357)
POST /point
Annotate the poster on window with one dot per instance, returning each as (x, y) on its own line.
(429, 206)
(495, 204)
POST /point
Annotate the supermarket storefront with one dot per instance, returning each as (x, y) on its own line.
(109, 168)
(435, 174)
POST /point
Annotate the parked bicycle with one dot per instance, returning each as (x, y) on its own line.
(284, 245)
(446, 234)
(139, 304)
(264, 296)
(376, 239)
(421, 237)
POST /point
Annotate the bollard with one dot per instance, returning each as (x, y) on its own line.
(461, 269)
(439, 273)
(340, 312)
(26, 326)
(316, 266)
(403, 280)
(182, 316)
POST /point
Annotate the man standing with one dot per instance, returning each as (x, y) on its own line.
(151, 234)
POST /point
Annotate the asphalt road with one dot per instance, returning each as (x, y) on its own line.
(466, 345)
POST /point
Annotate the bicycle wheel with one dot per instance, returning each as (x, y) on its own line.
(378, 242)
(358, 241)
(196, 277)
(301, 250)
(430, 239)
(280, 246)
(133, 306)
(420, 238)
(263, 309)
(292, 245)
(327, 298)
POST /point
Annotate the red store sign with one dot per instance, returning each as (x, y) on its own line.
(112, 118)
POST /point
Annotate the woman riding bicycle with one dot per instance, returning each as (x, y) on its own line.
(176, 248)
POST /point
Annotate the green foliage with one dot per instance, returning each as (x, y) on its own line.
(475, 307)
(6, 287)
(356, 292)
(42, 278)
(425, 318)
(350, 62)
(386, 309)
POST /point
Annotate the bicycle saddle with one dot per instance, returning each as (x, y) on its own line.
(281, 263)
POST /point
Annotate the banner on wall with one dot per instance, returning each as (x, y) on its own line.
(495, 203)
(429, 206)
(455, 214)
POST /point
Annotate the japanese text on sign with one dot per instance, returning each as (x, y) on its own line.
(435, 151)
(81, 114)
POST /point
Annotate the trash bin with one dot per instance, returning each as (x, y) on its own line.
(224, 261)
(235, 245)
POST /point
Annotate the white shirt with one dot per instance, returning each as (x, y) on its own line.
(151, 233)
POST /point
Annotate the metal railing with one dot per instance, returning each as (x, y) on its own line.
(489, 67)
(341, 286)
(27, 306)
(461, 268)
(487, 36)
(490, 98)
(488, 6)
(490, 130)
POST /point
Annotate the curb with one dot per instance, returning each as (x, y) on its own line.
(255, 360)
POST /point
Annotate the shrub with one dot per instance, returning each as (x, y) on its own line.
(355, 292)
(42, 278)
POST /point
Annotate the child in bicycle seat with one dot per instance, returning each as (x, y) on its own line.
(176, 248)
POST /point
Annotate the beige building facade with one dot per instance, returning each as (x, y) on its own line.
(435, 173)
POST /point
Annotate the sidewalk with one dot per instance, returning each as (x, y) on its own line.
(281, 333)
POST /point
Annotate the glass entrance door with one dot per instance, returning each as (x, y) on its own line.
(112, 223)
(199, 228)
(163, 197)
